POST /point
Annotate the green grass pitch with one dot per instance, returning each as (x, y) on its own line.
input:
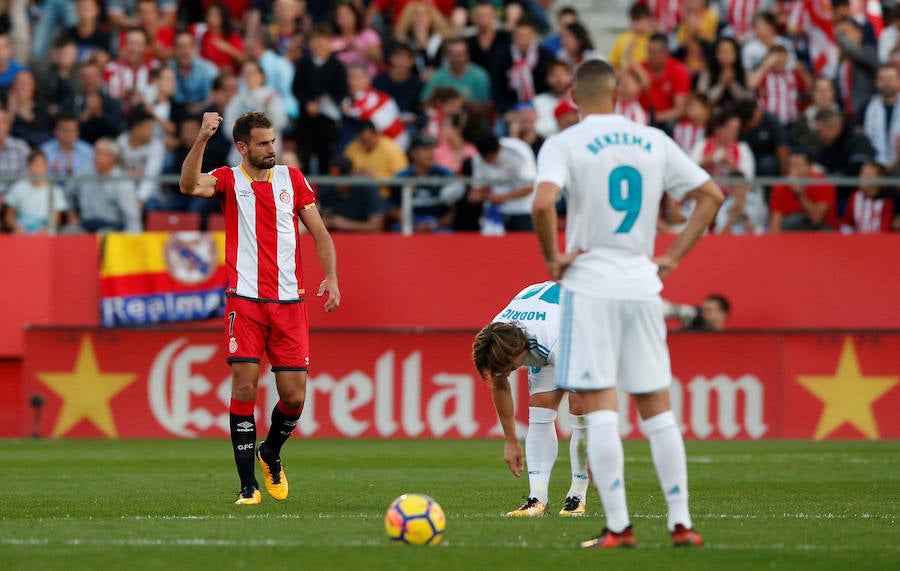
(167, 504)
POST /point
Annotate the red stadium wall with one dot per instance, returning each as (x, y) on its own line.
(168, 383)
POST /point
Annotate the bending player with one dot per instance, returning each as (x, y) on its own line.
(525, 334)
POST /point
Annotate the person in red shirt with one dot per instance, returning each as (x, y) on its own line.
(263, 205)
(802, 207)
(220, 43)
(668, 83)
(871, 207)
(160, 37)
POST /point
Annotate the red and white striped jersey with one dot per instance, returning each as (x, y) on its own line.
(740, 16)
(381, 109)
(686, 134)
(869, 215)
(815, 18)
(262, 235)
(121, 78)
(779, 94)
(632, 110)
(667, 13)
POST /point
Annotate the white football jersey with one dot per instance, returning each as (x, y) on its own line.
(614, 173)
(536, 310)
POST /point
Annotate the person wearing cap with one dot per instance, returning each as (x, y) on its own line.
(566, 114)
(431, 203)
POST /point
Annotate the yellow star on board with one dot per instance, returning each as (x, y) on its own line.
(86, 392)
(848, 395)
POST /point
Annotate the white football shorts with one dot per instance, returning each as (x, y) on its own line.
(541, 380)
(607, 343)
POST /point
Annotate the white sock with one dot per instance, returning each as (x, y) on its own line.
(607, 459)
(667, 449)
(541, 447)
(578, 457)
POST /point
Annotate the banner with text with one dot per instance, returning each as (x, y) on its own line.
(124, 383)
(158, 277)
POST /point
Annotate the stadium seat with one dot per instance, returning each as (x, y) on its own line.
(167, 221)
(215, 223)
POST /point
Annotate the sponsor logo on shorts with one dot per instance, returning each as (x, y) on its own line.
(285, 196)
(232, 345)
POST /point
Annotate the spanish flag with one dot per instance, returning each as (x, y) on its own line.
(159, 277)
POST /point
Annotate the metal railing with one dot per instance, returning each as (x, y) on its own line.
(409, 184)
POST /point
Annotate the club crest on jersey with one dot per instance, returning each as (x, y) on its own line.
(191, 257)
(232, 345)
(285, 196)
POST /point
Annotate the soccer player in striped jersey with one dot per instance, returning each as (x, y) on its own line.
(525, 333)
(263, 205)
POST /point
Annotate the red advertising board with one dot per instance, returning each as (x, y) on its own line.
(166, 383)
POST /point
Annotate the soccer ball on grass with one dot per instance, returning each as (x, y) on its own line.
(415, 519)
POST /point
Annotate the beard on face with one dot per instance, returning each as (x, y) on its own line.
(263, 162)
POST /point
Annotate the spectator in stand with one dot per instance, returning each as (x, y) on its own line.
(630, 48)
(128, 77)
(666, 14)
(739, 17)
(401, 82)
(9, 67)
(374, 155)
(711, 315)
(142, 156)
(778, 89)
(744, 210)
(432, 204)
(559, 80)
(843, 150)
(856, 72)
(159, 101)
(695, 34)
(353, 42)
(320, 83)
(504, 172)
(216, 154)
(88, 35)
(124, 13)
(255, 95)
(13, 152)
(160, 37)
(194, 75)
(841, 9)
(58, 78)
(32, 121)
(458, 72)
(444, 102)
(423, 28)
(889, 38)
(628, 100)
(724, 82)
(692, 128)
(220, 43)
(881, 122)
(565, 16)
(722, 153)
(367, 104)
(30, 200)
(106, 201)
(521, 72)
(803, 132)
(346, 208)
(523, 127)
(66, 153)
(452, 148)
(577, 45)
(566, 114)
(800, 206)
(99, 115)
(489, 43)
(765, 35)
(871, 208)
(668, 83)
(49, 16)
(278, 71)
(284, 34)
(390, 10)
(766, 137)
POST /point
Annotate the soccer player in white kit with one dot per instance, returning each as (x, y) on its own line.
(525, 333)
(612, 334)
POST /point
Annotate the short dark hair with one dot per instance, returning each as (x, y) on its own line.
(34, 153)
(138, 116)
(659, 38)
(554, 63)
(366, 125)
(778, 49)
(767, 17)
(829, 116)
(487, 143)
(454, 40)
(567, 10)
(401, 46)
(247, 122)
(527, 21)
(882, 170)
(721, 118)
(721, 300)
(851, 21)
(801, 151)
(321, 30)
(638, 11)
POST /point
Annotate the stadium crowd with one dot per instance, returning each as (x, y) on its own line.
(93, 92)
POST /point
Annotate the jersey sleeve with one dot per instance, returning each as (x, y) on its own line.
(304, 195)
(551, 163)
(681, 174)
(224, 180)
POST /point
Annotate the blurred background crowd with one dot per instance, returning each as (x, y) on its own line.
(98, 100)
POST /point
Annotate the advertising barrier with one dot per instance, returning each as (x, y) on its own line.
(168, 384)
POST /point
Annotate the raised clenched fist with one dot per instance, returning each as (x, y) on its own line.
(209, 126)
